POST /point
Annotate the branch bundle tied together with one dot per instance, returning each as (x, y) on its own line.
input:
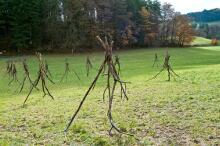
(89, 66)
(26, 76)
(12, 72)
(112, 73)
(67, 71)
(42, 76)
(117, 64)
(155, 60)
(166, 66)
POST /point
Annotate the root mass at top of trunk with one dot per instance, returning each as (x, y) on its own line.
(112, 74)
(43, 77)
(166, 66)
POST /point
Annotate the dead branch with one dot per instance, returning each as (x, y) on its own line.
(117, 63)
(26, 76)
(47, 69)
(166, 66)
(67, 70)
(156, 60)
(42, 76)
(9, 67)
(13, 73)
(89, 66)
(111, 74)
(76, 74)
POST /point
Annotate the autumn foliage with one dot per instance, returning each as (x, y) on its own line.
(184, 31)
(214, 42)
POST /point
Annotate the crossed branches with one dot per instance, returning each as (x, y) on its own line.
(117, 63)
(42, 76)
(76, 74)
(166, 66)
(9, 67)
(89, 66)
(12, 71)
(47, 69)
(67, 70)
(27, 76)
(156, 60)
(111, 74)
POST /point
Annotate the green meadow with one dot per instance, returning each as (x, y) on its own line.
(184, 111)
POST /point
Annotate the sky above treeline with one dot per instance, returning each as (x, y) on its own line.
(186, 6)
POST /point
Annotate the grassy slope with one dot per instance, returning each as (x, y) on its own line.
(214, 23)
(181, 112)
(201, 41)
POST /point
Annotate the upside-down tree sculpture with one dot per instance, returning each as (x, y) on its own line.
(166, 66)
(26, 76)
(117, 63)
(12, 71)
(42, 76)
(47, 69)
(156, 60)
(67, 70)
(111, 74)
(89, 66)
(8, 67)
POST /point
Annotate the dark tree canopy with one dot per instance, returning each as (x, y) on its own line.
(205, 16)
(206, 23)
(28, 25)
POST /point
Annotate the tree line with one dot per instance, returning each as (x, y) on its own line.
(27, 25)
(206, 15)
(206, 23)
(207, 30)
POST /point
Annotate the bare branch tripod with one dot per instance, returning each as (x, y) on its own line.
(42, 76)
(111, 73)
(166, 66)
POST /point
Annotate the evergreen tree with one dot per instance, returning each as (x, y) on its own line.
(52, 25)
(5, 24)
(72, 24)
(76, 23)
(121, 20)
(26, 22)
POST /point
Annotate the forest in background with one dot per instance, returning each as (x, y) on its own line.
(206, 15)
(206, 23)
(27, 25)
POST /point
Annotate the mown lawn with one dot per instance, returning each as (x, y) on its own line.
(181, 112)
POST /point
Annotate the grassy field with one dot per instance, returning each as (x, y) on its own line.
(215, 23)
(182, 112)
(201, 41)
